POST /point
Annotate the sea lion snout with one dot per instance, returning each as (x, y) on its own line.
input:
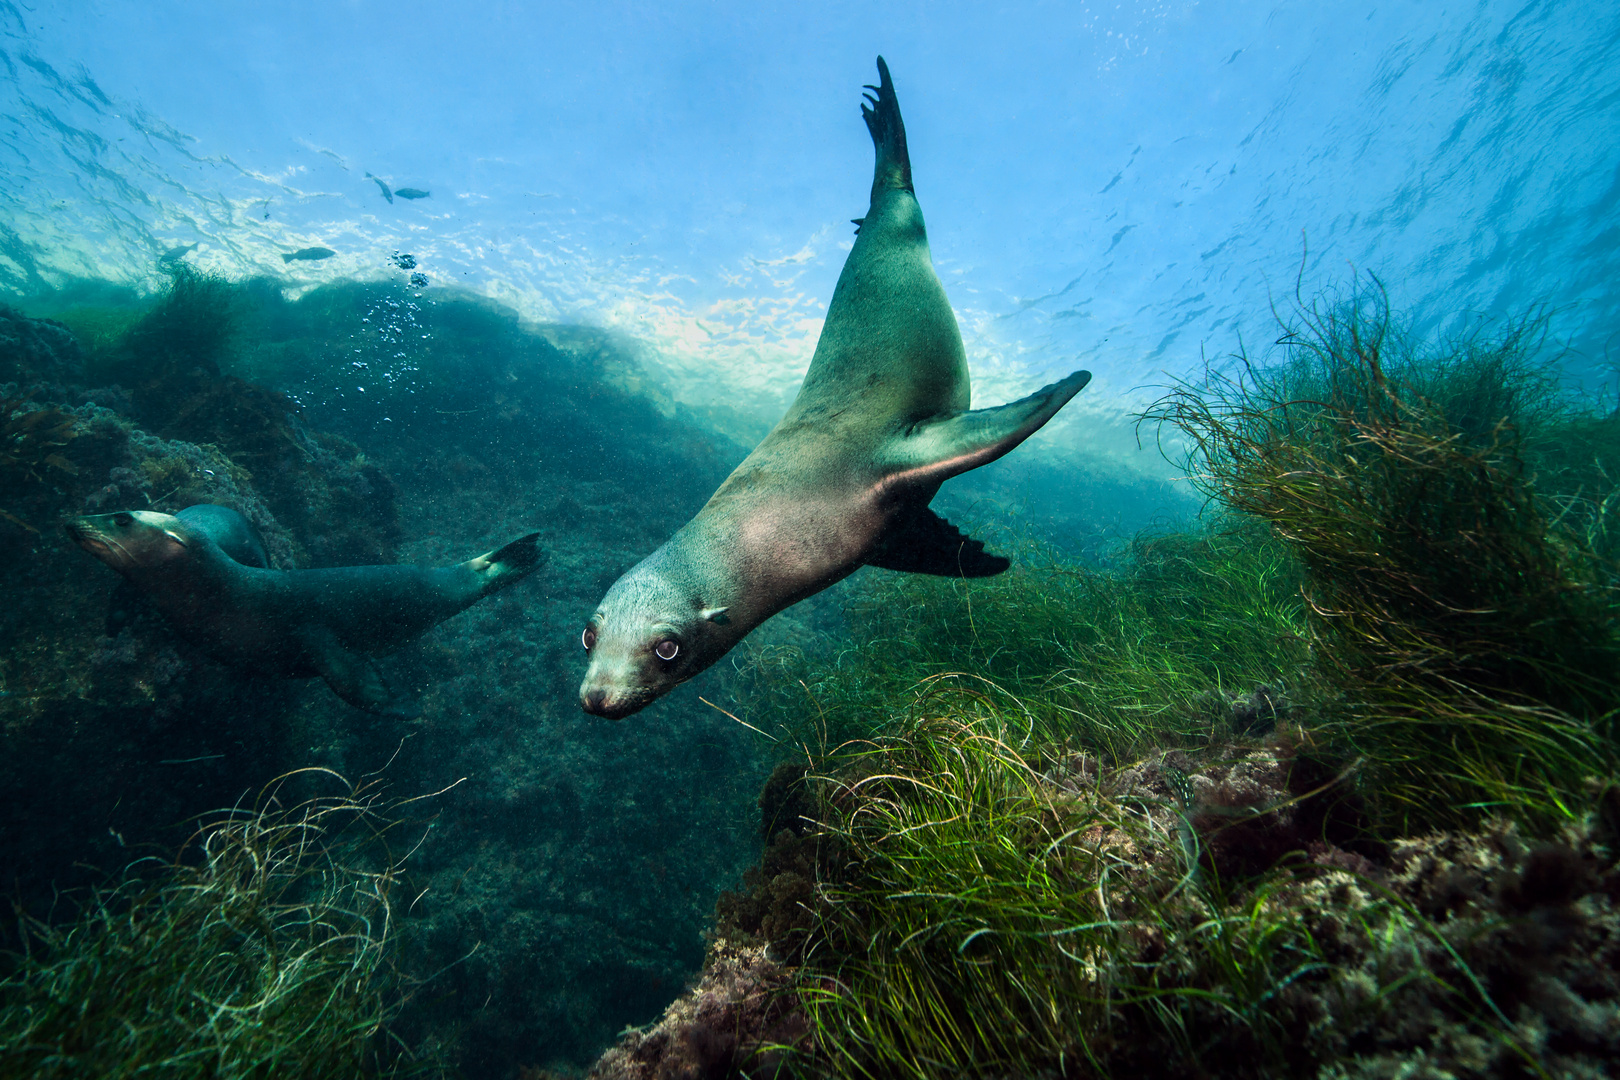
(600, 702)
(614, 694)
(615, 684)
(129, 538)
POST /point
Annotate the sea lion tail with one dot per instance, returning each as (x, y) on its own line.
(510, 564)
(882, 116)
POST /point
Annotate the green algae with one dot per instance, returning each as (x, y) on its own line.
(976, 908)
(1460, 597)
(265, 949)
(1149, 652)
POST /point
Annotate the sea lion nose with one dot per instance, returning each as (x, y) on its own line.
(594, 701)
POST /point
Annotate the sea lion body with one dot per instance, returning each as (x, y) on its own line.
(234, 534)
(290, 623)
(843, 480)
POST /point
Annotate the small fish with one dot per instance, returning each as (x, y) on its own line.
(411, 193)
(1180, 786)
(175, 254)
(389, 195)
(314, 254)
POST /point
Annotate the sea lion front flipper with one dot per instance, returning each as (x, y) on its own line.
(937, 450)
(922, 542)
(353, 677)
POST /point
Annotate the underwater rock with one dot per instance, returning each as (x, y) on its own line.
(1260, 712)
(1447, 954)
(322, 487)
(736, 1018)
(37, 350)
(583, 860)
(32, 440)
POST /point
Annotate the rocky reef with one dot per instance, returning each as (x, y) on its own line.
(1234, 940)
(563, 890)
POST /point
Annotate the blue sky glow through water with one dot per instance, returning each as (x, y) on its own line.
(1117, 186)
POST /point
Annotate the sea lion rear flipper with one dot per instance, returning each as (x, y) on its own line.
(937, 450)
(922, 542)
(882, 115)
(507, 565)
(353, 677)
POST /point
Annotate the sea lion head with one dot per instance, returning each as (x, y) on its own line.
(132, 540)
(649, 635)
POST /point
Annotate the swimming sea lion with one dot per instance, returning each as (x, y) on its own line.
(844, 480)
(292, 623)
(175, 254)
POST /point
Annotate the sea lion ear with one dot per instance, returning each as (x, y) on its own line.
(716, 615)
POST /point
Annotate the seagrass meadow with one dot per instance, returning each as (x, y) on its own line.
(1324, 787)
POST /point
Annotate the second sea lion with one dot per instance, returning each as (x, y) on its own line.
(292, 623)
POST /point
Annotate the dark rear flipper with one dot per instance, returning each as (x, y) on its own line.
(522, 554)
(510, 564)
(882, 115)
(922, 542)
(353, 676)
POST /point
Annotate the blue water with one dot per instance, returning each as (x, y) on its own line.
(1126, 187)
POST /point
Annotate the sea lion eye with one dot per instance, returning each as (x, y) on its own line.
(123, 521)
(588, 639)
(667, 649)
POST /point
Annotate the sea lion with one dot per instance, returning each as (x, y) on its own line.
(290, 623)
(844, 480)
(175, 254)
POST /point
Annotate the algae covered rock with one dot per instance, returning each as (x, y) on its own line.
(37, 350)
